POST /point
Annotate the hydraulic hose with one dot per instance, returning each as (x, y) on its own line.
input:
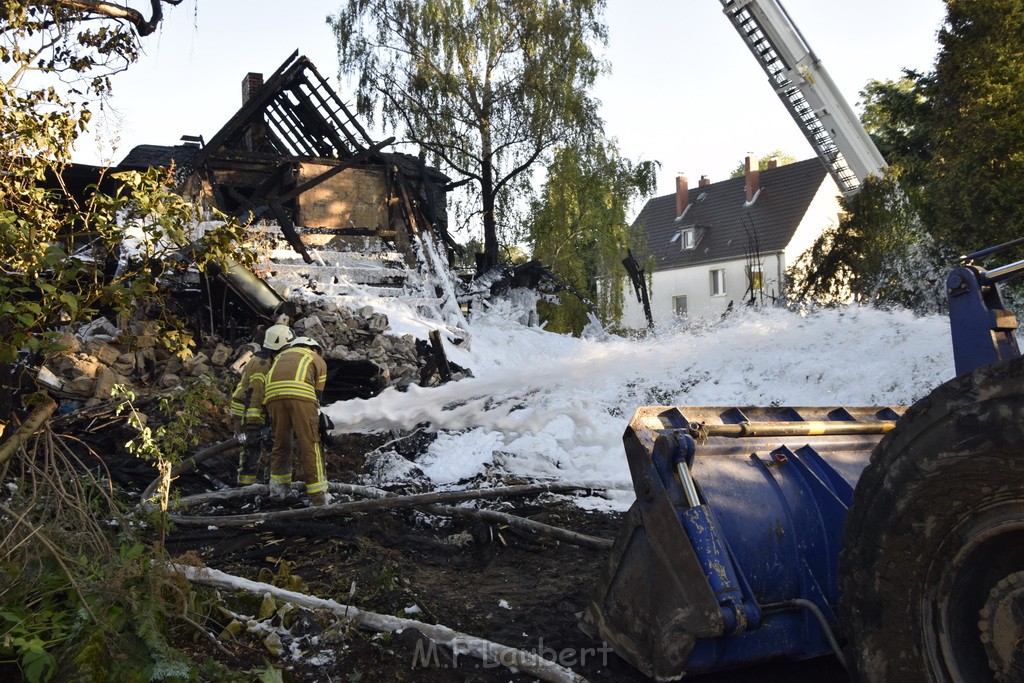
(801, 603)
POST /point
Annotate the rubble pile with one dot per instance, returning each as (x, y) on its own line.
(356, 344)
(98, 356)
(362, 358)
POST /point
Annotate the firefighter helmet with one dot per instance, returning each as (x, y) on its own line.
(306, 341)
(277, 336)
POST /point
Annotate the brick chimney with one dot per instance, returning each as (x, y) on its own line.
(704, 181)
(682, 194)
(773, 163)
(752, 175)
(250, 85)
(255, 134)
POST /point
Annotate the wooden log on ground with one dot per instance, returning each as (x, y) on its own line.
(29, 427)
(391, 502)
(461, 643)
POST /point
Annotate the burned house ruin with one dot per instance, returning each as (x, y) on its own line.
(295, 161)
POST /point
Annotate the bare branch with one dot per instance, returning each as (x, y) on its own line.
(113, 10)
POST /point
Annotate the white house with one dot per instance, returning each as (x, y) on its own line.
(730, 242)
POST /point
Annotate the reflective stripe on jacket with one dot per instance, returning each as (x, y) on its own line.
(297, 373)
(254, 377)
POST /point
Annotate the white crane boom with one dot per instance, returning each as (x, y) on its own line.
(807, 91)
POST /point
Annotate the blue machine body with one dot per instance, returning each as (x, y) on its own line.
(758, 497)
(730, 553)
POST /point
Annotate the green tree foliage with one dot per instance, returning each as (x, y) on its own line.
(781, 158)
(877, 254)
(56, 246)
(579, 229)
(977, 126)
(82, 598)
(954, 143)
(880, 252)
(897, 116)
(486, 87)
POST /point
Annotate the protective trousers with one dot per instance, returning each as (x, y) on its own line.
(303, 418)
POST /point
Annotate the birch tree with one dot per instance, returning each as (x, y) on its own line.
(486, 87)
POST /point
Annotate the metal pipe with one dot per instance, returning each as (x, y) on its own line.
(1001, 273)
(689, 488)
(700, 429)
(992, 250)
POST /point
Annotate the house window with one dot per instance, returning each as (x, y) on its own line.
(756, 280)
(688, 238)
(718, 282)
(679, 305)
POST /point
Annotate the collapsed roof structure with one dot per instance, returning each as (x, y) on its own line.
(296, 156)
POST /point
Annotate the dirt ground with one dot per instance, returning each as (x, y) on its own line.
(497, 583)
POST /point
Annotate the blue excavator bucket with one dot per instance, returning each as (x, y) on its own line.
(729, 554)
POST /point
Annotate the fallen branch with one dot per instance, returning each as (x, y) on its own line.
(29, 427)
(461, 643)
(388, 503)
(252, 490)
(185, 466)
(546, 530)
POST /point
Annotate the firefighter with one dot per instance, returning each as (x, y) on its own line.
(247, 408)
(294, 388)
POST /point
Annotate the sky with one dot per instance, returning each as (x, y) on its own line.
(683, 89)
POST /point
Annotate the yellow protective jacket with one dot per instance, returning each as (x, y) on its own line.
(297, 373)
(249, 406)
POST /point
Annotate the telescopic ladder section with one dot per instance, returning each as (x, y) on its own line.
(807, 91)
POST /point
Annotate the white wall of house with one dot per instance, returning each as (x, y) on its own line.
(822, 213)
(695, 282)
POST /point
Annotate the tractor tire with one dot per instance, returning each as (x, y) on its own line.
(933, 546)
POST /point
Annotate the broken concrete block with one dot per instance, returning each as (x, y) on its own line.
(377, 323)
(124, 369)
(84, 386)
(106, 378)
(77, 366)
(145, 362)
(145, 341)
(143, 327)
(169, 380)
(338, 352)
(242, 360)
(309, 321)
(198, 369)
(67, 344)
(221, 355)
(104, 353)
(47, 379)
(198, 359)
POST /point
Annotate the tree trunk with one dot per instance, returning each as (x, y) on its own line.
(488, 196)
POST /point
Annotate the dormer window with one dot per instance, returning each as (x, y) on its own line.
(688, 238)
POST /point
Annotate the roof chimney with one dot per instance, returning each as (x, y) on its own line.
(773, 163)
(682, 194)
(752, 175)
(250, 85)
(704, 181)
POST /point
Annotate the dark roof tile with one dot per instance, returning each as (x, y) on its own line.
(725, 226)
